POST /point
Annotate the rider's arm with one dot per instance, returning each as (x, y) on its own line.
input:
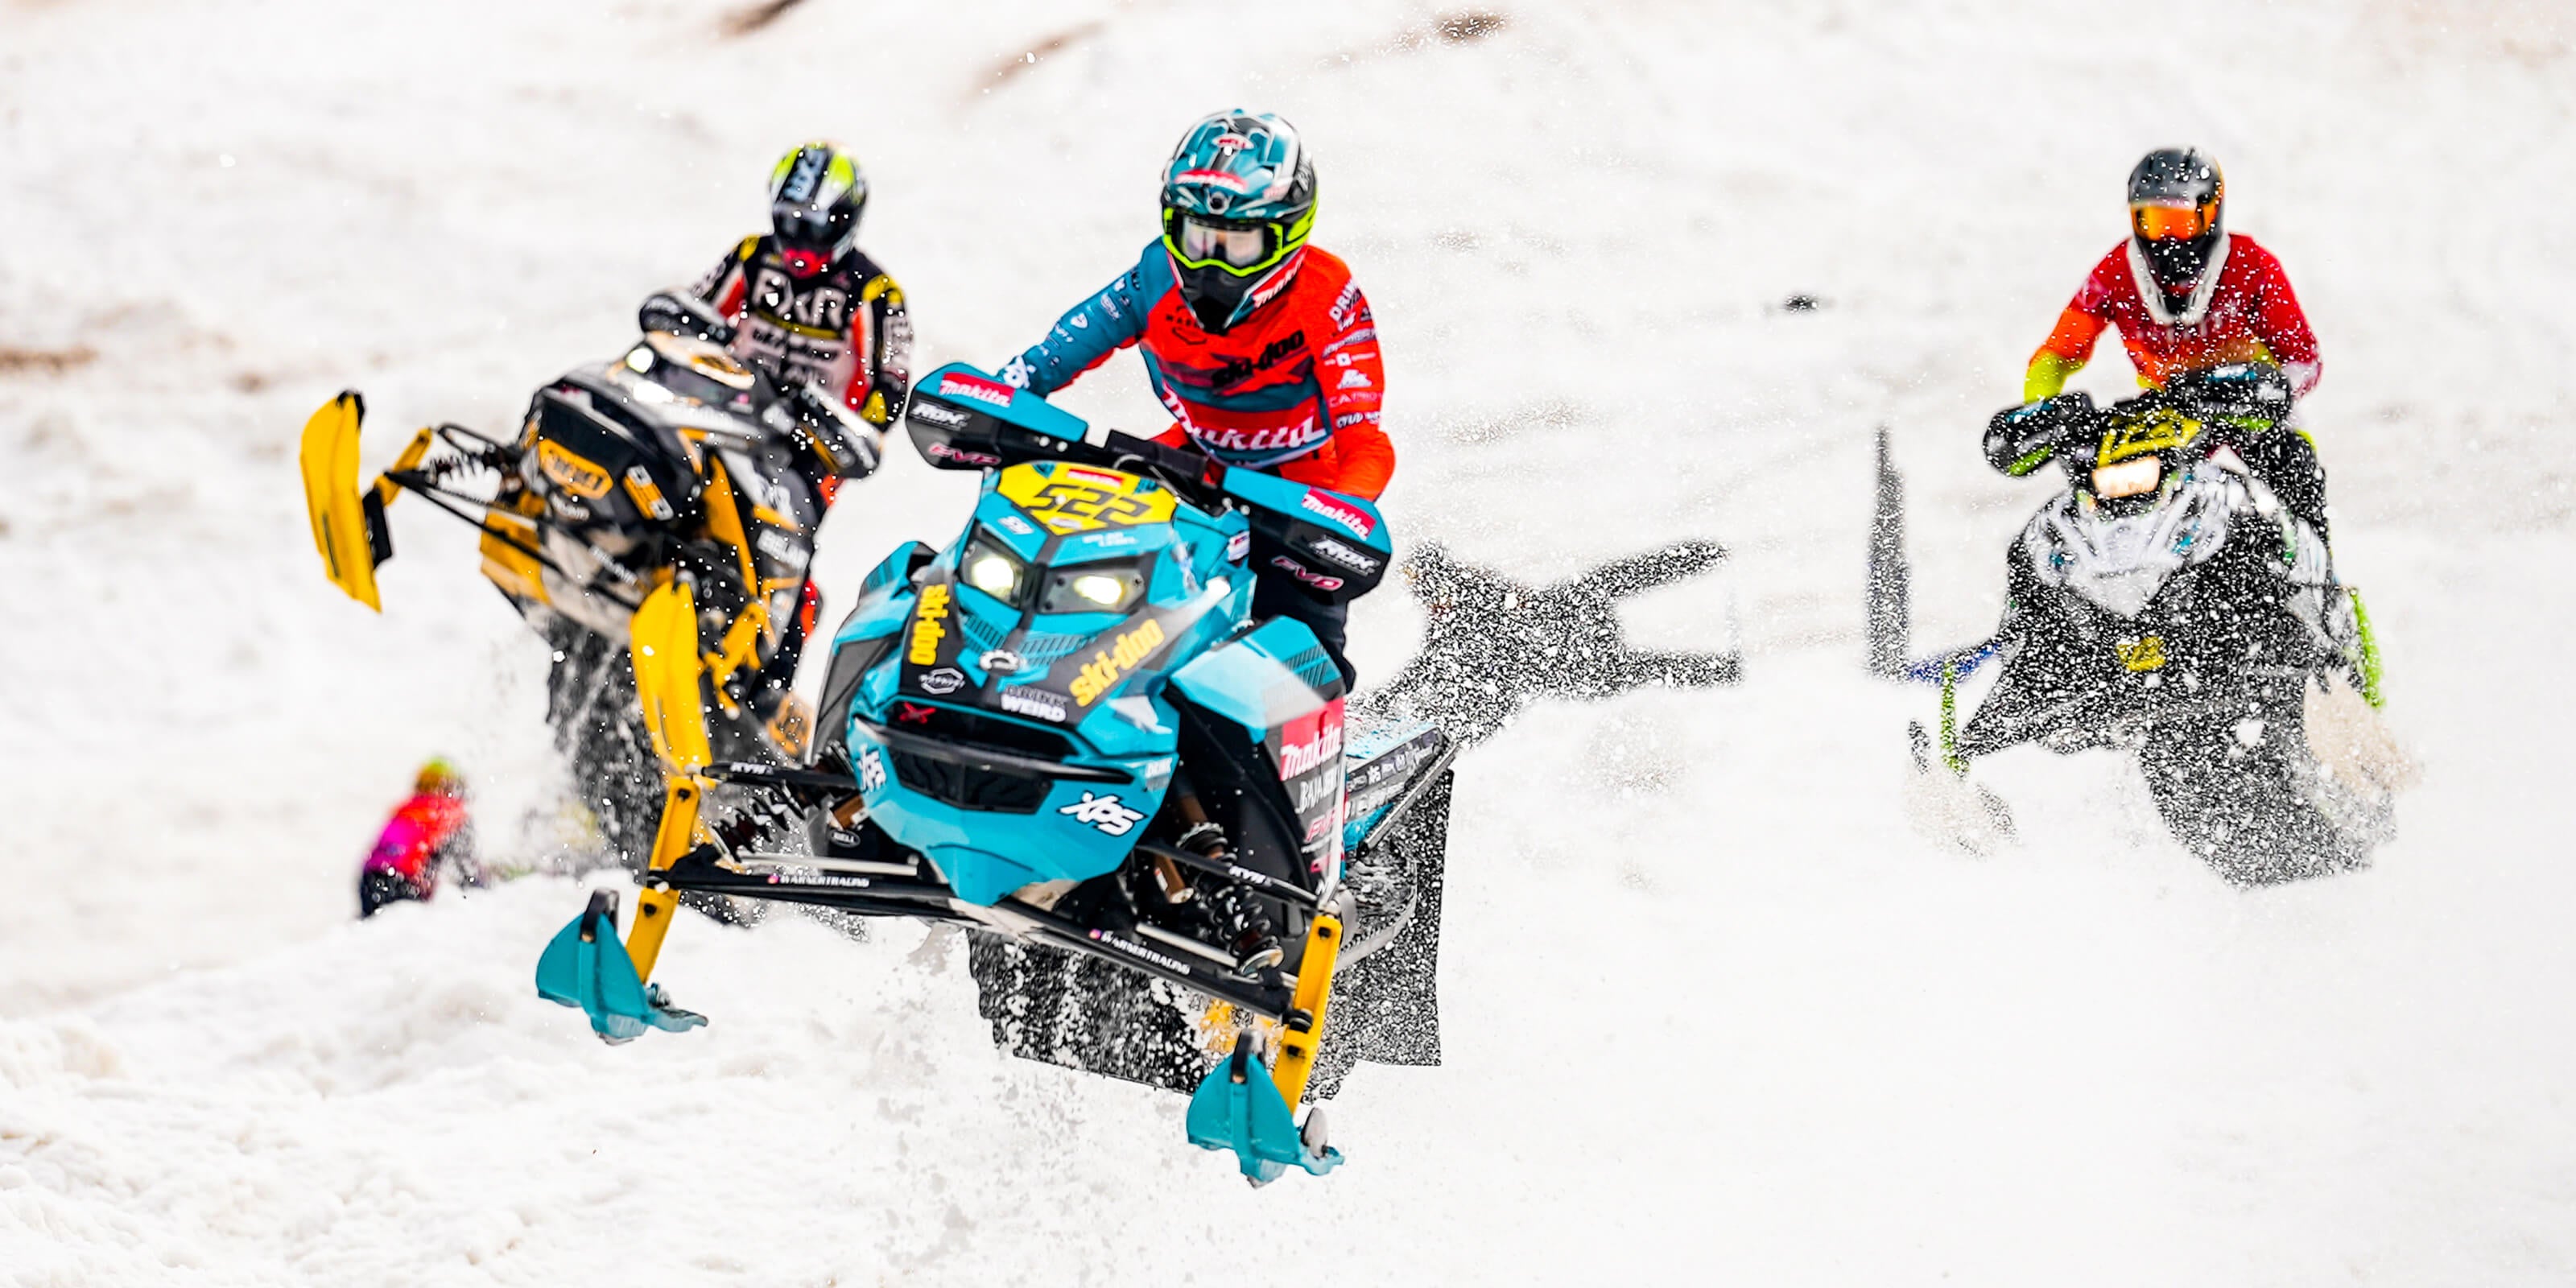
(727, 286)
(1089, 332)
(2070, 345)
(879, 383)
(2283, 328)
(1353, 375)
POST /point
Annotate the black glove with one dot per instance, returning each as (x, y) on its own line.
(843, 443)
(2021, 439)
(682, 314)
(2237, 393)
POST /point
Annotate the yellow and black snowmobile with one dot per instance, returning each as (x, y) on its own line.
(671, 475)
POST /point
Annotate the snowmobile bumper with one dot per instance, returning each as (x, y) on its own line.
(585, 966)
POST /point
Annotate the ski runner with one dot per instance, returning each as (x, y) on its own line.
(1259, 345)
(2188, 295)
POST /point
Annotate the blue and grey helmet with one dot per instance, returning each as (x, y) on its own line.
(1238, 201)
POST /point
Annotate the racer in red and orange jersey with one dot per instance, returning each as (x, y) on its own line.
(2187, 296)
(1260, 346)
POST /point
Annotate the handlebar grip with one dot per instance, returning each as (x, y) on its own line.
(2022, 438)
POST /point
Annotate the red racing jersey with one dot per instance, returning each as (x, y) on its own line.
(2243, 311)
(1293, 390)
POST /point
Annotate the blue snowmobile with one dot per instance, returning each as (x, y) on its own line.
(1066, 733)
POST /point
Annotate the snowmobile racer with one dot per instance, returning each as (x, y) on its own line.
(2188, 295)
(1068, 733)
(1259, 345)
(807, 306)
(431, 830)
(2170, 604)
(672, 462)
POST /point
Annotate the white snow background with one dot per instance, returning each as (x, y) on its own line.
(1714, 1013)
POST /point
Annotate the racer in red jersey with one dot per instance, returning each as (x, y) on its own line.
(2187, 295)
(1260, 346)
(428, 831)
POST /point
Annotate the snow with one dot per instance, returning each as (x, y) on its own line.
(1714, 1012)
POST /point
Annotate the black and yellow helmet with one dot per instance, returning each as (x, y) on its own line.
(816, 195)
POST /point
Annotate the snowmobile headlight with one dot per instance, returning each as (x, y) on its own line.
(993, 571)
(1093, 589)
(2128, 478)
(1100, 588)
(639, 360)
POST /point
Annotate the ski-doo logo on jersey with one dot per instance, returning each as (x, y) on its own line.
(926, 628)
(947, 679)
(1021, 700)
(1315, 579)
(1109, 665)
(871, 770)
(1002, 661)
(1105, 813)
(959, 385)
(578, 475)
(1323, 504)
(1345, 556)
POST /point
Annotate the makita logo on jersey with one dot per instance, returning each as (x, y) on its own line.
(1300, 757)
(1323, 504)
(1304, 433)
(959, 385)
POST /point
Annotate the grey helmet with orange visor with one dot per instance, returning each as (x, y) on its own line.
(2177, 207)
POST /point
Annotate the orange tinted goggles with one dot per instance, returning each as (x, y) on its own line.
(2171, 223)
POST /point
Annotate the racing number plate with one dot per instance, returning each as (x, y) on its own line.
(1078, 498)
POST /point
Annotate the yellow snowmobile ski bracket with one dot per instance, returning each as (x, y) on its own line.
(1299, 1042)
(343, 529)
(664, 636)
(653, 909)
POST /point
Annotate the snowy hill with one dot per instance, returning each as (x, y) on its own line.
(1714, 1011)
